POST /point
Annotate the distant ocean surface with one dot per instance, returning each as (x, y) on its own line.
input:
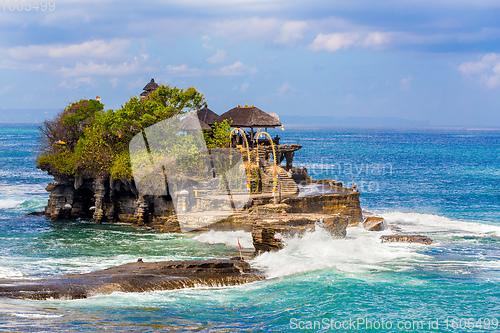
(444, 184)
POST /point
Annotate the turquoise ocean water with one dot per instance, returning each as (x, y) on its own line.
(441, 183)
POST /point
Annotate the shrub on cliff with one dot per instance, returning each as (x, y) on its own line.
(60, 136)
(219, 136)
(84, 139)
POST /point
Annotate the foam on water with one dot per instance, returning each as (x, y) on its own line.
(439, 226)
(20, 309)
(10, 203)
(360, 251)
(229, 238)
(9, 273)
(22, 190)
(23, 205)
(83, 264)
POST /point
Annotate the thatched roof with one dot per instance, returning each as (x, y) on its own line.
(192, 123)
(208, 116)
(249, 116)
(151, 85)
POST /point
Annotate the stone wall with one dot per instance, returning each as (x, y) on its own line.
(339, 203)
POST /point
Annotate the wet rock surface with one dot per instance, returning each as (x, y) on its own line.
(267, 226)
(375, 223)
(135, 277)
(407, 239)
(117, 200)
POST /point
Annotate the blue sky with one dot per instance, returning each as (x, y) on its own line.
(434, 61)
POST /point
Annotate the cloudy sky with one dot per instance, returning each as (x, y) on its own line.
(436, 61)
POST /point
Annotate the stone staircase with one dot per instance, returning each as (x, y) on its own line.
(285, 181)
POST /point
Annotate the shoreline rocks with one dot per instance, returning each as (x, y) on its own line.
(407, 239)
(375, 223)
(117, 200)
(139, 276)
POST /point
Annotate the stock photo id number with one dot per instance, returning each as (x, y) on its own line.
(27, 6)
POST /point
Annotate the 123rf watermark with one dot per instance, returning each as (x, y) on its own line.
(363, 324)
(27, 5)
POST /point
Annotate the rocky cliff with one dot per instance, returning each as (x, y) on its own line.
(108, 200)
(117, 200)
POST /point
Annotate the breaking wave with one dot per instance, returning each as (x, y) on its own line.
(363, 252)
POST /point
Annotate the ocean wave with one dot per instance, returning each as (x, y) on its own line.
(21, 190)
(439, 226)
(361, 251)
(22, 205)
(9, 273)
(18, 309)
(229, 238)
(9, 203)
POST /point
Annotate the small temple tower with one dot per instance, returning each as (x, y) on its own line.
(150, 87)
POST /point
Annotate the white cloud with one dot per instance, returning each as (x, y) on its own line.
(337, 41)
(102, 69)
(333, 42)
(5, 89)
(247, 28)
(218, 57)
(376, 39)
(236, 69)
(183, 70)
(88, 49)
(291, 32)
(486, 69)
(244, 86)
(405, 83)
(113, 82)
(284, 88)
(76, 83)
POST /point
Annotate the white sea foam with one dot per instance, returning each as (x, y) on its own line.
(9, 273)
(35, 315)
(9, 203)
(229, 238)
(18, 309)
(440, 226)
(87, 264)
(360, 251)
(21, 190)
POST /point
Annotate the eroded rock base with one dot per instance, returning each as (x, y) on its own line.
(407, 239)
(135, 277)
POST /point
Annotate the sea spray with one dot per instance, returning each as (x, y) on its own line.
(360, 251)
(10, 203)
(439, 226)
(9, 273)
(456, 277)
(229, 238)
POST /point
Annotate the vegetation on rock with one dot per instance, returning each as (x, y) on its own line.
(86, 140)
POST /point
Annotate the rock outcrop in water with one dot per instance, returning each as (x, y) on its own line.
(375, 223)
(107, 200)
(111, 200)
(407, 239)
(135, 277)
(94, 155)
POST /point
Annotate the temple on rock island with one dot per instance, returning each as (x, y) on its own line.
(276, 204)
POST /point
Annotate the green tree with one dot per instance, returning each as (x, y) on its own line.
(84, 139)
